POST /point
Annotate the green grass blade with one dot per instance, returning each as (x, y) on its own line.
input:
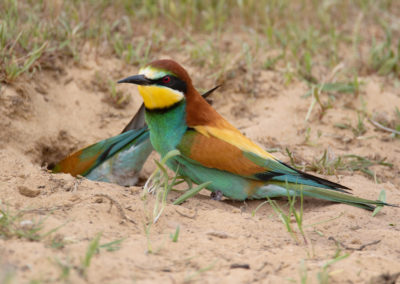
(382, 197)
(190, 193)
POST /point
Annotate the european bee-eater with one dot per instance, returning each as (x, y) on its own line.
(211, 149)
(118, 159)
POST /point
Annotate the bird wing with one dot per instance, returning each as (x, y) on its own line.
(138, 120)
(213, 152)
(228, 150)
(85, 160)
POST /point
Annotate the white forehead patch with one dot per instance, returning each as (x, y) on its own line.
(152, 73)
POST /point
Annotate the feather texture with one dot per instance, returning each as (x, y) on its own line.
(214, 150)
(118, 159)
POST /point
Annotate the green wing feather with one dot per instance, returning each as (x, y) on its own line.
(87, 159)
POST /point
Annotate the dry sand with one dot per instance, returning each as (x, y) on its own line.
(219, 242)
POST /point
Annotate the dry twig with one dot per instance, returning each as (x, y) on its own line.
(380, 126)
(118, 205)
(350, 248)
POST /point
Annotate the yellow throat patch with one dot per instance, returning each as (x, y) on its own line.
(159, 97)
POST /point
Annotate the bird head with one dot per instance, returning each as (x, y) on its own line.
(161, 83)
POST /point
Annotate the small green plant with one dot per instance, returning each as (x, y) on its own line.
(253, 213)
(117, 98)
(303, 272)
(360, 128)
(112, 246)
(331, 89)
(305, 67)
(324, 274)
(307, 138)
(175, 236)
(13, 225)
(65, 268)
(195, 274)
(57, 242)
(325, 164)
(147, 228)
(286, 217)
(362, 164)
(14, 67)
(336, 88)
(92, 249)
(132, 52)
(161, 184)
(383, 58)
(316, 92)
(270, 63)
(191, 192)
(382, 197)
(342, 125)
(330, 165)
(292, 160)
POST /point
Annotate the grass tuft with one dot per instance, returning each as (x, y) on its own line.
(189, 278)
(286, 217)
(161, 184)
(13, 225)
(92, 249)
(330, 165)
(324, 274)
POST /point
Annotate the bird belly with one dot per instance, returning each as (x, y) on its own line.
(231, 185)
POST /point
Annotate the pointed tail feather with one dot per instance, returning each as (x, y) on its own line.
(307, 178)
(279, 171)
(323, 193)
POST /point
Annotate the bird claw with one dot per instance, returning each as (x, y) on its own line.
(217, 195)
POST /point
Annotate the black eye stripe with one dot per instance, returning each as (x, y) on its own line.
(174, 83)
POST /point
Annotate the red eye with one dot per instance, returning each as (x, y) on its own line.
(166, 79)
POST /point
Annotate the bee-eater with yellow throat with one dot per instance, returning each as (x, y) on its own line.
(211, 149)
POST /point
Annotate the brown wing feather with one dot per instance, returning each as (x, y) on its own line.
(212, 152)
(74, 165)
(199, 112)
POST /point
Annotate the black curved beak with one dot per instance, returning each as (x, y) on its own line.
(136, 79)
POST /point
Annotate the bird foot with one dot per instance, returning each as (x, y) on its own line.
(217, 195)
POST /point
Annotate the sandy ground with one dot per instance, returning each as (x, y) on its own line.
(219, 242)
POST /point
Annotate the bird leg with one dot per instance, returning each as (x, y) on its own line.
(217, 195)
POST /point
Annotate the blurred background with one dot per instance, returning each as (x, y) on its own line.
(305, 39)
